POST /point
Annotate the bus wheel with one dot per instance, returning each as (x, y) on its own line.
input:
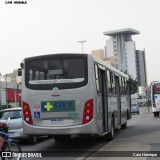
(156, 114)
(111, 133)
(123, 126)
(60, 138)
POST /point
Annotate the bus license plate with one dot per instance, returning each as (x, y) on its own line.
(12, 134)
(57, 122)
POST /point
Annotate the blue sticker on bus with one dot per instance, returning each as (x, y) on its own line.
(36, 114)
(58, 106)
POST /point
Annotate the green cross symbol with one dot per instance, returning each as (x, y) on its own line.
(48, 106)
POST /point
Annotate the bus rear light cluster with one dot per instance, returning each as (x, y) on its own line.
(27, 114)
(88, 112)
(154, 105)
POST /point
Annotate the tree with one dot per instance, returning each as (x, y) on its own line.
(133, 85)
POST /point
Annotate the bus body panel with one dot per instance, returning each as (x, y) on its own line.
(157, 103)
(62, 122)
(124, 108)
(67, 106)
(59, 111)
(61, 130)
(155, 97)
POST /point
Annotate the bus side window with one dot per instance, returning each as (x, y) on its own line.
(30, 75)
(109, 82)
(113, 84)
(123, 86)
(97, 78)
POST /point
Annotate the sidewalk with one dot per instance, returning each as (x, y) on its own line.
(122, 146)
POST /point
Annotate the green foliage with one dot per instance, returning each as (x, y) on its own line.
(133, 85)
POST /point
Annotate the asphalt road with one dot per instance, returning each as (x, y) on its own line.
(142, 134)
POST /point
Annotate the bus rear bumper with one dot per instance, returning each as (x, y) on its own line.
(89, 128)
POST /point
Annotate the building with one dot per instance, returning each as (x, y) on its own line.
(141, 68)
(98, 54)
(131, 59)
(142, 91)
(10, 89)
(110, 48)
(10, 93)
(121, 45)
(12, 77)
(112, 60)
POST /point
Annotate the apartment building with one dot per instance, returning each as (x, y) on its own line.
(120, 44)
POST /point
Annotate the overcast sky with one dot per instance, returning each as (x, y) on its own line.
(54, 26)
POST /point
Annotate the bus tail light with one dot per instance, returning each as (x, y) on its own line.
(154, 105)
(88, 111)
(27, 114)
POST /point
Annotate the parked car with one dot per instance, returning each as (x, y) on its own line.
(134, 108)
(15, 124)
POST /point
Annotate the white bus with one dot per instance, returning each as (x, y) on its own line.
(155, 97)
(73, 94)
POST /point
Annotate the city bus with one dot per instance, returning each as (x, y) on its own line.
(155, 97)
(73, 94)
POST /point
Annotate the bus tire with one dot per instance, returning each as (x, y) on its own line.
(155, 114)
(111, 133)
(123, 126)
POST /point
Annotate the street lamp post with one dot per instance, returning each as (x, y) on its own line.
(82, 43)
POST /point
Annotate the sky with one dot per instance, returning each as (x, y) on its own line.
(54, 26)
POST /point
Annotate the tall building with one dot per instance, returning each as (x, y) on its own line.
(111, 60)
(121, 45)
(141, 68)
(98, 54)
(131, 59)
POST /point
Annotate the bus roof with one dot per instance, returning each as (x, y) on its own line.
(118, 72)
(155, 82)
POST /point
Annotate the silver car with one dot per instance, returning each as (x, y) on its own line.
(15, 124)
(134, 108)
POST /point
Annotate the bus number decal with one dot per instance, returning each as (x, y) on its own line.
(58, 106)
(72, 115)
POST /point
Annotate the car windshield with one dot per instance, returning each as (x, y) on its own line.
(13, 114)
(133, 105)
(157, 88)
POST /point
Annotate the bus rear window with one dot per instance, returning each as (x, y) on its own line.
(61, 72)
(156, 88)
